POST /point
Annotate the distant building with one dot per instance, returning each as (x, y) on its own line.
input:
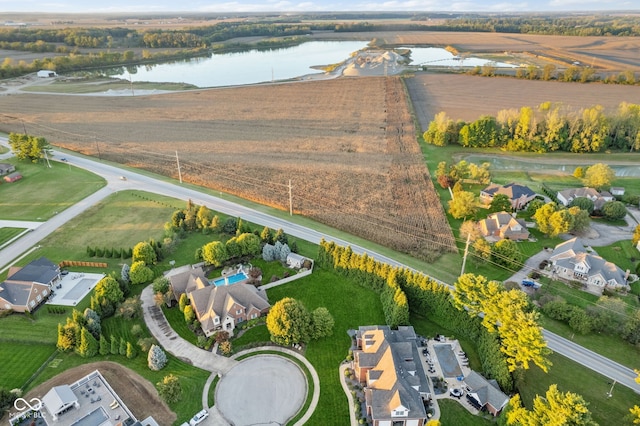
(15, 176)
(599, 198)
(47, 74)
(6, 168)
(616, 190)
(519, 195)
(485, 394)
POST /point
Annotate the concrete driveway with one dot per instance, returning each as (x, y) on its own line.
(262, 389)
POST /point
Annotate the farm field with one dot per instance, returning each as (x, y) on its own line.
(467, 97)
(347, 145)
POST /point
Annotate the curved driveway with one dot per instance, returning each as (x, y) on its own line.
(138, 181)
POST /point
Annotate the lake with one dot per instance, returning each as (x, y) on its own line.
(501, 163)
(254, 66)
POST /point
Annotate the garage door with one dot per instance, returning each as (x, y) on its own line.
(384, 423)
(413, 422)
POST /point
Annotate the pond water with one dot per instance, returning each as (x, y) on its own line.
(443, 58)
(501, 163)
(232, 69)
(254, 66)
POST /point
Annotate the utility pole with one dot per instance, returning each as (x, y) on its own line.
(47, 158)
(24, 127)
(610, 393)
(290, 200)
(466, 251)
(179, 171)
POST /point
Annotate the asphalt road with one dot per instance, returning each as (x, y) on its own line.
(135, 181)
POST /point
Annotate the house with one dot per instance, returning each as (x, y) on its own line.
(295, 261)
(616, 190)
(388, 365)
(47, 74)
(26, 288)
(6, 168)
(59, 400)
(186, 279)
(485, 394)
(13, 177)
(599, 198)
(519, 195)
(223, 307)
(503, 226)
(570, 260)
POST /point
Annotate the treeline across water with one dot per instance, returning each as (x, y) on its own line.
(549, 127)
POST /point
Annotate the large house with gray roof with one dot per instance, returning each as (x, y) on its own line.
(219, 307)
(387, 362)
(27, 287)
(519, 195)
(571, 260)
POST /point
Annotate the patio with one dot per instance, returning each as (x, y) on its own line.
(73, 287)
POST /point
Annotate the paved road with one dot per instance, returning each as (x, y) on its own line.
(140, 182)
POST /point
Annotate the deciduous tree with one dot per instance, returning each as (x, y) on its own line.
(214, 253)
(598, 176)
(500, 203)
(463, 205)
(27, 147)
(143, 251)
(554, 409)
(169, 389)
(614, 210)
(289, 322)
(636, 235)
(140, 273)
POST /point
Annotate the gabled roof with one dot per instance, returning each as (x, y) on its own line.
(41, 270)
(5, 167)
(16, 294)
(212, 301)
(502, 224)
(395, 366)
(186, 279)
(572, 252)
(511, 190)
(568, 249)
(58, 398)
(487, 392)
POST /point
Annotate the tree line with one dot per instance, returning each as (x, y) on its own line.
(546, 128)
(502, 350)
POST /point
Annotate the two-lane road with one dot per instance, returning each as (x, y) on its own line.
(112, 174)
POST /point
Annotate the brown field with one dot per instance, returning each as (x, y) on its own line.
(465, 97)
(348, 146)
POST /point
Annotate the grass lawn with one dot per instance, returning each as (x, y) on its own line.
(176, 318)
(622, 253)
(20, 361)
(337, 294)
(7, 234)
(454, 414)
(44, 191)
(608, 345)
(570, 376)
(252, 336)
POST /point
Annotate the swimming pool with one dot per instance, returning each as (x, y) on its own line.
(230, 279)
(94, 418)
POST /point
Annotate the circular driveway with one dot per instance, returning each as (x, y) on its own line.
(261, 389)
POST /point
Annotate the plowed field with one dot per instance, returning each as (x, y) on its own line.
(347, 145)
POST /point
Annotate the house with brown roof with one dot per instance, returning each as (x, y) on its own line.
(503, 225)
(15, 176)
(186, 279)
(387, 363)
(222, 307)
(571, 260)
(566, 196)
(27, 287)
(519, 195)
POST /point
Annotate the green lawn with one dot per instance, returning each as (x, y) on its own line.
(7, 234)
(176, 318)
(570, 376)
(20, 361)
(40, 328)
(454, 414)
(339, 296)
(43, 191)
(622, 253)
(252, 336)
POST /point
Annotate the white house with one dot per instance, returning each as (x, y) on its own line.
(47, 74)
(566, 196)
(59, 400)
(295, 261)
(570, 260)
(617, 190)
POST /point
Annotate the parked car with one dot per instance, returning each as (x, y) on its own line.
(199, 417)
(64, 159)
(531, 283)
(456, 392)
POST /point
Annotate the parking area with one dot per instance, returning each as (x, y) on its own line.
(73, 287)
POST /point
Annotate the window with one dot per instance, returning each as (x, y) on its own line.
(32, 303)
(39, 298)
(7, 306)
(216, 320)
(45, 292)
(239, 311)
(253, 316)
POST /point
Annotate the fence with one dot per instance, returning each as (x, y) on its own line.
(287, 280)
(66, 263)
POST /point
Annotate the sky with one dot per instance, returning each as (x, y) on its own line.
(126, 6)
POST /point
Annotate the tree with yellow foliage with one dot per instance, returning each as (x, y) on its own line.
(554, 409)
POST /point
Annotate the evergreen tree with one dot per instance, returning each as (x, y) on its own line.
(156, 358)
(114, 345)
(104, 346)
(88, 346)
(122, 349)
(131, 351)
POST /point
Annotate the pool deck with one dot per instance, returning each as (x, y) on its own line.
(73, 288)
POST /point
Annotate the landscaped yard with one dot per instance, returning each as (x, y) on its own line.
(44, 191)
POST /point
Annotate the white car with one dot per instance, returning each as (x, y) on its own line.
(199, 417)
